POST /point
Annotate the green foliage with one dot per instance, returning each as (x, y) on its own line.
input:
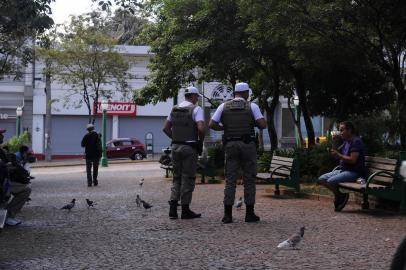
(216, 154)
(314, 161)
(264, 162)
(15, 142)
(19, 21)
(88, 61)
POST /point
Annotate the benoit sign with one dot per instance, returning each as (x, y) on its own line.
(118, 108)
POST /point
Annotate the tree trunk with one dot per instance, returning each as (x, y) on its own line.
(301, 92)
(296, 119)
(48, 122)
(270, 110)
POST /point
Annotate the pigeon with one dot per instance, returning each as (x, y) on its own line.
(238, 204)
(292, 241)
(70, 205)
(145, 204)
(138, 201)
(90, 203)
(141, 182)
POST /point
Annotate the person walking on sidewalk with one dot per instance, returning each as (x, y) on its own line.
(239, 118)
(92, 144)
(185, 126)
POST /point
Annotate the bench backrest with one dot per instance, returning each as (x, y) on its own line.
(278, 161)
(376, 164)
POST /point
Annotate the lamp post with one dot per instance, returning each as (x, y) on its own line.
(19, 113)
(104, 107)
(296, 103)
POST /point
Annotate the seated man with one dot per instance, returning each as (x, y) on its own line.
(352, 164)
(22, 154)
(18, 185)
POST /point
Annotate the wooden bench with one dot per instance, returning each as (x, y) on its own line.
(383, 181)
(283, 171)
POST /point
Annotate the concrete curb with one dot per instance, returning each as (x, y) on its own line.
(82, 162)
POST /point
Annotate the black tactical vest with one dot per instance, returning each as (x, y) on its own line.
(237, 119)
(183, 127)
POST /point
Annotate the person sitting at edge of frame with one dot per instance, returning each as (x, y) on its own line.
(351, 155)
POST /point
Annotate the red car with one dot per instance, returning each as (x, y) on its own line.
(125, 148)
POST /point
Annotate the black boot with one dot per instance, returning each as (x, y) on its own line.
(173, 209)
(250, 215)
(187, 213)
(228, 214)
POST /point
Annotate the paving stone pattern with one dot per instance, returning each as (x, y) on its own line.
(118, 235)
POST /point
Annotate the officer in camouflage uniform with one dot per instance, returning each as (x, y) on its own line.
(239, 118)
(185, 126)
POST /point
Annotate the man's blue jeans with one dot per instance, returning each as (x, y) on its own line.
(338, 176)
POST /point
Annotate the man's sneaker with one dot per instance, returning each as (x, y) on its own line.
(341, 202)
(12, 221)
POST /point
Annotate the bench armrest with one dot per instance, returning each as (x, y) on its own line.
(371, 177)
(277, 168)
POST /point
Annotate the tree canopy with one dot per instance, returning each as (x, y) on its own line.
(20, 22)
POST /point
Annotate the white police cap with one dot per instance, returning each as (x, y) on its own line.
(191, 90)
(242, 87)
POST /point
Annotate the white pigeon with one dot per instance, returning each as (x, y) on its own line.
(292, 241)
(238, 204)
(402, 169)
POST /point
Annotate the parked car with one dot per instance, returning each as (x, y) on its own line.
(125, 148)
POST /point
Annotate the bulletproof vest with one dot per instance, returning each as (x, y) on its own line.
(237, 118)
(183, 126)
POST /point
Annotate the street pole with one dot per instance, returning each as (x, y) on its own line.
(19, 113)
(296, 103)
(104, 161)
(48, 113)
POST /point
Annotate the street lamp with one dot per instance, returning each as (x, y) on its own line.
(104, 107)
(296, 103)
(19, 113)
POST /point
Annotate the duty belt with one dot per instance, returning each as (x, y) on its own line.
(244, 138)
(185, 143)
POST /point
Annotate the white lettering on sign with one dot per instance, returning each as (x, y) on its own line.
(118, 108)
(3, 116)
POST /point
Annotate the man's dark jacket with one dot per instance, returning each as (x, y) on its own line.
(91, 142)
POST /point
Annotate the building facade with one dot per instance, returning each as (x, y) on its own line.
(70, 115)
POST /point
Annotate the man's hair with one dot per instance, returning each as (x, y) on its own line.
(349, 126)
(23, 148)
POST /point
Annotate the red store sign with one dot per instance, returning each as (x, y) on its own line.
(118, 108)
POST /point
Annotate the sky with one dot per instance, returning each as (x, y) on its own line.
(61, 9)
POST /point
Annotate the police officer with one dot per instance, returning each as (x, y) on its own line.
(185, 126)
(239, 118)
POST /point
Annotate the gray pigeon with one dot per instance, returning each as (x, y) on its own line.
(141, 182)
(90, 203)
(238, 204)
(146, 205)
(70, 205)
(292, 241)
(138, 201)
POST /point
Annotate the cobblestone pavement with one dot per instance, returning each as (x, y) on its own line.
(118, 235)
